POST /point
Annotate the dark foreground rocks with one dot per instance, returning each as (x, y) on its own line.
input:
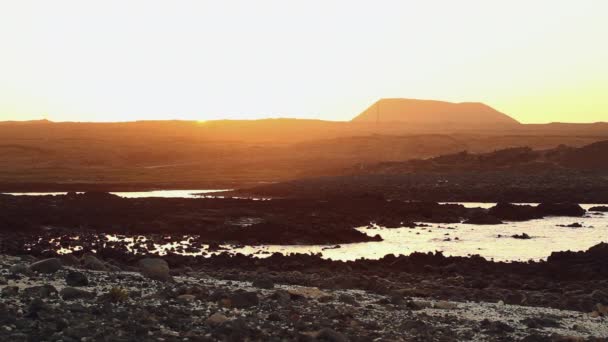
(127, 306)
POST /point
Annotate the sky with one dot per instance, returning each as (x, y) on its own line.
(538, 61)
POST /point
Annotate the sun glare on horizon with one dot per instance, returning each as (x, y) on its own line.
(64, 60)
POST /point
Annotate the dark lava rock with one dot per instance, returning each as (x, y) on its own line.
(263, 283)
(75, 278)
(282, 297)
(37, 305)
(19, 269)
(69, 259)
(522, 236)
(330, 336)
(10, 291)
(571, 225)
(601, 208)
(512, 212)
(560, 209)
(540, 322)
(40, 291)
(496, 327)
(92, 263)
(70, 293)
(50, 265)
(348, 299)
(243, 299)
(483, 218)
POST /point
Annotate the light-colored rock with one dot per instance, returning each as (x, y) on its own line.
(216, 319)
(154, 268)
(186, 298)
(307, 292)
(445, 305)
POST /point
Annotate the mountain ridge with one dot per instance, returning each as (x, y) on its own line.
(434, 112)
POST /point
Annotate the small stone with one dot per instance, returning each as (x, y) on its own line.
(50, 265)
(75, 278)
(19, 269)
(263, 283)
(348, 299)
(216, 319)
(186, 298)
(154, 268)
(243, 299)
(10, 291)
(445, 305)
(70, 293)
(274, 317)
(40, 291)
(282, 297)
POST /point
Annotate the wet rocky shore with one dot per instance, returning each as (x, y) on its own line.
(106, 290)
(245, 221)
(91, 298)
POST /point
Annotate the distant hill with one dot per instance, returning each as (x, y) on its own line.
(437, 113)
(519, 174)
(589, 157)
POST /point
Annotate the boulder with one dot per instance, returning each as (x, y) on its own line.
(50, 265)
(75, 278)
(92, 263)
(513, 212)
(154, 268)
(69, 260)
(560, 209)
(483, 218)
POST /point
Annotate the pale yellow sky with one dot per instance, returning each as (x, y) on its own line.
(539, 61)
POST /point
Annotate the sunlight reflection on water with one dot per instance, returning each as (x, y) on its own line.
(452, 239)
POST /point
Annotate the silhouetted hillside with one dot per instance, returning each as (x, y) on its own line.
(230, 153)
(589, 157)
(437, 113)
(561, 174)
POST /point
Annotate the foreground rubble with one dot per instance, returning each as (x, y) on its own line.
(76, 304)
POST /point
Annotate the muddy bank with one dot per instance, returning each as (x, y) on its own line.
(246, 221)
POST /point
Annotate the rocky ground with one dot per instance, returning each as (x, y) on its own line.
(88, 299)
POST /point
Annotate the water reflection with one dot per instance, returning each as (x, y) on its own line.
(492, 242)
(137, 194)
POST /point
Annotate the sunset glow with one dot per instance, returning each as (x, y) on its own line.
(538, 61)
